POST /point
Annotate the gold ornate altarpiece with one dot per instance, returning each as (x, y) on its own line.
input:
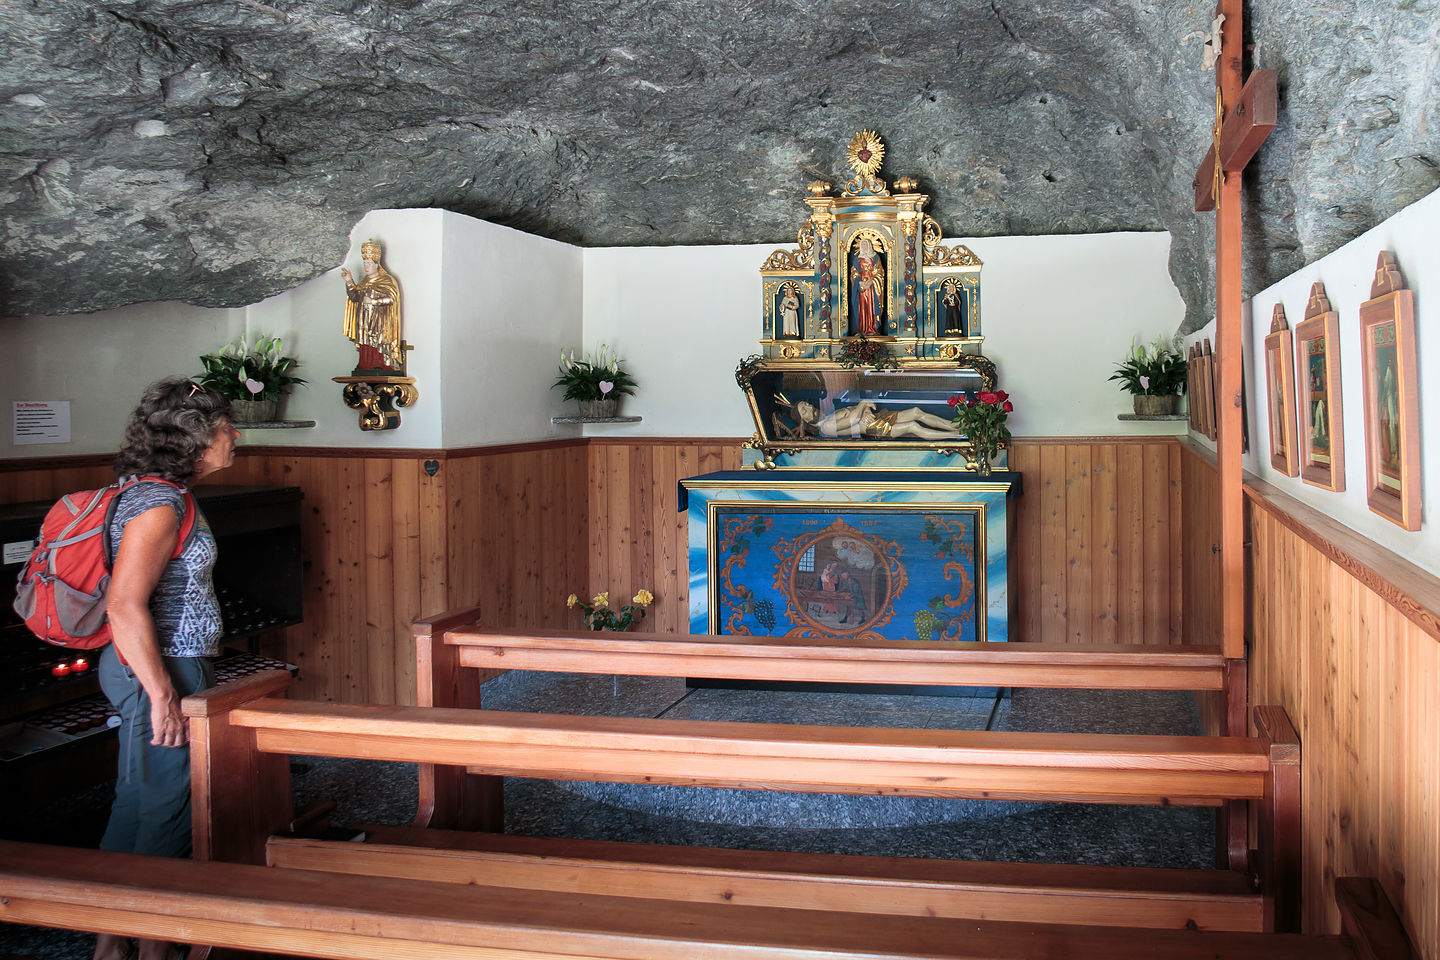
(925, 298)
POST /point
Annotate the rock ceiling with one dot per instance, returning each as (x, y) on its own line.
(219, 152)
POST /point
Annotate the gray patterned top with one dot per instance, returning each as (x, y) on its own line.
(186, 613)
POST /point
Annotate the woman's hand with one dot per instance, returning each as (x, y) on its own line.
(167, 723)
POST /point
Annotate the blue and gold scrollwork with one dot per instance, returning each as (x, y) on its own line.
(738, 601)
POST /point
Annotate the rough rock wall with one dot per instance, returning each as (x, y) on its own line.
(220, 152)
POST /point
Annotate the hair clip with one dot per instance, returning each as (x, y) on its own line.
(194, 389)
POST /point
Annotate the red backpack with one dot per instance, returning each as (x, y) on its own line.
(61, 590)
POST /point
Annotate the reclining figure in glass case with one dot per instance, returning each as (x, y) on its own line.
(862, 420)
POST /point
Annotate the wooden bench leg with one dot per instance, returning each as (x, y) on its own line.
(1279, 822)
(451, 798)
(238, 795)
(1232, 840)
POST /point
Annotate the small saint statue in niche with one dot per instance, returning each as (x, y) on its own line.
(867, 288)
(952, 308)
(862, 420)
(373, 316)
(789, 312)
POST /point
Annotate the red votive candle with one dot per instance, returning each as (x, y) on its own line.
(80, 666)
(60, 670)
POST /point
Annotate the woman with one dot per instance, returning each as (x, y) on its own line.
(165, 619)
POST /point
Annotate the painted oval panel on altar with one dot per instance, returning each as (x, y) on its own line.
(892, 572)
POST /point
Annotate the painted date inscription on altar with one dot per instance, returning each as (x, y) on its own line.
(870, 573)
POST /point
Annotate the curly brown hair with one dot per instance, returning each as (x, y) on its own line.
(171, 429)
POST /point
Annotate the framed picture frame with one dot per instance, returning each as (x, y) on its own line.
(1392, 409)
(1318, 394)
(1280, 393)
(1190, 381)
(1212, 392)
(917, 571)
(1201, 396)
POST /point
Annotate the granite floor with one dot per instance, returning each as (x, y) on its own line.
(368, 792)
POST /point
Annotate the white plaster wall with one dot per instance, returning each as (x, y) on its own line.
(489, 308)
(101, 363)
(681, 317)
(1413, 235)
(311, 316)
(1058, 314)
(510, 302)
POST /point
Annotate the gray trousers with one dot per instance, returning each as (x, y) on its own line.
(151, 813)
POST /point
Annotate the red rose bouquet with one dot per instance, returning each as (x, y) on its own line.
(981, 419)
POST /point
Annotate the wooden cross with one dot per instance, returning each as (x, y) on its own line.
(1245, 118)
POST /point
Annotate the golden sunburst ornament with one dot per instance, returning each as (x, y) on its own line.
(865, 153)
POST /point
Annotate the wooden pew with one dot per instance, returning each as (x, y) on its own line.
(874, 661)
(329, 915)
(253, 732)
(449, 645)
(1139, 897)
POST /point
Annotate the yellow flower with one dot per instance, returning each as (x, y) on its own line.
(601, 599)
(571, 600)
(644, 598)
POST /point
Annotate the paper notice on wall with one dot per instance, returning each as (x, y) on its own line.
(41, 421)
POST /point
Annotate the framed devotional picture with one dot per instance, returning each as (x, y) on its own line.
(1207, 392)
(1322, 417)
(1192, 367)
(1392, 410)
(1280, 393)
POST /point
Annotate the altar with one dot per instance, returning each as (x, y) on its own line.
(861, 554)
(876, 503)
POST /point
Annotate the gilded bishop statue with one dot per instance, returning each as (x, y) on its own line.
(373, 316)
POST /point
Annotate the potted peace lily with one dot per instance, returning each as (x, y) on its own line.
(1154, 375)
(595, 380)
(253, 377)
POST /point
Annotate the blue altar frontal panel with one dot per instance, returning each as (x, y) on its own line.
(849, 554)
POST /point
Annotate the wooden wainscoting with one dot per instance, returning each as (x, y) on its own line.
(1200, 542)
(1345, 635)
(638, 537)
(386, 543)
(1097, 557)
(29, 480)
(1346, 640)
(516, 529)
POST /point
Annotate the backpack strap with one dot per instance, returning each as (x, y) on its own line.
(187, 521)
